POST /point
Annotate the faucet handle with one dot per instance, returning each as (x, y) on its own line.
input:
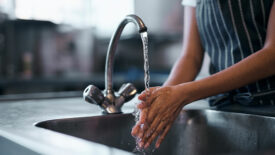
(93, 95)
(127, 91)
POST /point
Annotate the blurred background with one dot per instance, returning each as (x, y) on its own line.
(60, 46)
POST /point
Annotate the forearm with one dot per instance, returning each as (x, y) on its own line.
(255, 67)
(184, 70)
(188, 65)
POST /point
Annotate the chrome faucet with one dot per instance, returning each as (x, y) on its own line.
(108, 100)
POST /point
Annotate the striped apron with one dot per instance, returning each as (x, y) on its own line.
(231, 30)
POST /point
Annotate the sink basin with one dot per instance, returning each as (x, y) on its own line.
(194, 132)
(9, 147)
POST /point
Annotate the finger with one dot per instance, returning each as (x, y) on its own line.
(153, 95)
(154, 110)
(143, 115)
(143, 123)
(142, 105)
(139, 128)
(154, 118)
(146, 103)
(164, 133)
(136, 129)
(167, 128)
(147, 134)
(142, 96)
(157, 132)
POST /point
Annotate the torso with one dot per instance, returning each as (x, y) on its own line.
(231, 30)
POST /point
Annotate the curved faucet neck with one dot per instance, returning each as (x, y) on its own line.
(112, 48)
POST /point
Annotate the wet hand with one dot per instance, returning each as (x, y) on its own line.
(143, 106)
(159, 108)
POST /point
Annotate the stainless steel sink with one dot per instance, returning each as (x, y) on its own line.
(194, 132)
(9, 147)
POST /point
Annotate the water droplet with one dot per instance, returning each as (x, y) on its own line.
(142, 126)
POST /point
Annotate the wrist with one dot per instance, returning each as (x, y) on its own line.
(185, 92)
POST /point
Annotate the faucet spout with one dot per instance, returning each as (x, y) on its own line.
(108, 100)
(112, 48)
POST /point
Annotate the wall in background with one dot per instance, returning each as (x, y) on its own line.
(44, 51)
(161, 16)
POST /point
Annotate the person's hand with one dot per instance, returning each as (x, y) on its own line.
(142, 124)
(160, 106)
